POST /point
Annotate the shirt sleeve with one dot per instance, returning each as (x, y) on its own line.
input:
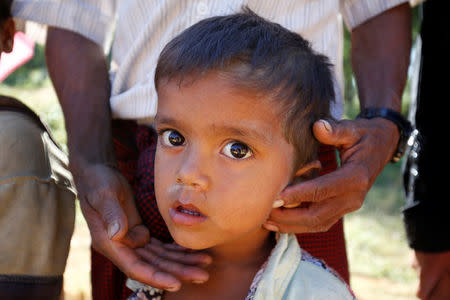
(93, 19)
(356, 12)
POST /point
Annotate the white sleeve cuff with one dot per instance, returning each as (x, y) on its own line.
(356, 12)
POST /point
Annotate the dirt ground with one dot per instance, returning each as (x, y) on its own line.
(77, 275)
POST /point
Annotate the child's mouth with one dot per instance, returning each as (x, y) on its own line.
(187, 211)
(186, 214)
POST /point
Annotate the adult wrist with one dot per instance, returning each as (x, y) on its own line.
(405, 128)
(78, 163)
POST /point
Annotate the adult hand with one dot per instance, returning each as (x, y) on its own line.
(116, 230)
(365, 147)
(434, 274)
(380, 59)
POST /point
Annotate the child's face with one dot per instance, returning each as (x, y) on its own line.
(221, 161)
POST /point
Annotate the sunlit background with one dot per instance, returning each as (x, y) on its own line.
(380, 260)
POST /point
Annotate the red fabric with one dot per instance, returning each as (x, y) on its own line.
(328, 246)
(135, 150)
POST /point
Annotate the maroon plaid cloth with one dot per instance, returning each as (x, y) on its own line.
(135, 149)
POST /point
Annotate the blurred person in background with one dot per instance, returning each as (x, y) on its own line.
(37, 197)
(426, 211)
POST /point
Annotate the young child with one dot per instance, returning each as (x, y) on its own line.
(237, 98)
(37, 198)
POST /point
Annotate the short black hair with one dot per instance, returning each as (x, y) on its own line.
(263, 57)
(5, 9)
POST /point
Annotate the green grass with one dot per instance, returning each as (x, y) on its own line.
(379, 257)
(42, 100)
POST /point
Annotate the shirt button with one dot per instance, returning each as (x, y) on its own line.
(202, 8)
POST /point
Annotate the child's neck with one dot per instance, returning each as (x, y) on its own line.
(252, 249)
(234, 266)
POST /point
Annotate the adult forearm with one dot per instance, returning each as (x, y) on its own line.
(78, 69)
(380, 57)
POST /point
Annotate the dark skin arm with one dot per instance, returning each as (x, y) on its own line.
(380, 59)
(78, 69)
(434, 274)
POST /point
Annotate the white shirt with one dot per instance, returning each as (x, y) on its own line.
(143, 28)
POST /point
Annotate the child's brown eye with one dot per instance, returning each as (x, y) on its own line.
(237, 150)
(172, 138)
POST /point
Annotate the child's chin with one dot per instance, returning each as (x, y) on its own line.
(189, 240)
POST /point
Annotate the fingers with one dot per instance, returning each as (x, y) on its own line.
(116, 229)
(157, 266)
(136, 236)
(365, 147)
(333, 133)
(177, 253)
(111, 213)
(350, 179)
(138, 269)
(313, 190)
(103, 189)
(181, 265)
(317, 217)
(109, 194)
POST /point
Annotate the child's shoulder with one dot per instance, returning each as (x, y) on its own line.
(319, 280)
(292, 273)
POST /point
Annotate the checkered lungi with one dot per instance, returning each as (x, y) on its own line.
(135, 150)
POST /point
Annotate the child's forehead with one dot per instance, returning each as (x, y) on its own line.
(227, 83)
(218, 103)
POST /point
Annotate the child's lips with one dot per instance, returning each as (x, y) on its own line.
(186, 214)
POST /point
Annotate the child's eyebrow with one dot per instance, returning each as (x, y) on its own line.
(164, 120)
(246, 132)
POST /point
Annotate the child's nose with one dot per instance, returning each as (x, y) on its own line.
(192, 172)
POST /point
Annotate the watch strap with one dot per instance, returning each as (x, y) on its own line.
(404, 126)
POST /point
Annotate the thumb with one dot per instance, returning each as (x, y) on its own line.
(335, 133)
(112, 215)
(117, 228)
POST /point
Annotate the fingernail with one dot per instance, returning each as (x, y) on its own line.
(113, 229)
(278, 203)
(172, 289)
(327, 125)
(198, 281)
(169, 280)
(271, 227)
(208, 260)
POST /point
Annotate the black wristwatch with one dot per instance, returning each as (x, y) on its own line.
(404, 126)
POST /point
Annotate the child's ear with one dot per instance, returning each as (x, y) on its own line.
(308, 171)
(7, 35)
(305, 172)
